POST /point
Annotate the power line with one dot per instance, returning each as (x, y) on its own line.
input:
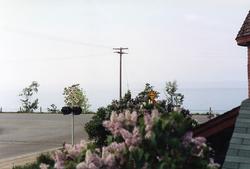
(54, 38)
(14, 59)
(80, 57)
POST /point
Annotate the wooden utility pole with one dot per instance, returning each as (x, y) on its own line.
(120, 51)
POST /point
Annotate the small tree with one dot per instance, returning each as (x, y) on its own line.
(74, 96)
(53, 109)
(29, 104)
(173, 99)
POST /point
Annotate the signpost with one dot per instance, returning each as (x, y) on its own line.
(73, 100)
(74, 111)
(73, 130)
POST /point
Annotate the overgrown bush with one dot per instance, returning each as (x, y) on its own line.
(41, 161)
(148, 140)
(45, 159)
(95, 129)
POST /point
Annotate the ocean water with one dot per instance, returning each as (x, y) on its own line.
(197, 100)
(219, 99)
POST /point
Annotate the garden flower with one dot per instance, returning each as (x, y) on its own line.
(199, 145)
(82, 165)
(127, 115)
(113, 126)
(136, 137)
(44, 166)
(72, 150)
(148, 121)
(199, 141)
(109, 161)
(130, 118)
(145, 166)
(113, 116)
(114, 148)
(121, 117)
(126, 134)
(212, 164)
(59, 157)
(93, 160)
(83, 144)
(155, 114)
(134, 117)
(131, 139)
(187, 138)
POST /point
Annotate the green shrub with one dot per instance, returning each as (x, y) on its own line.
(42, 158)
(95, 129)
(46, 159)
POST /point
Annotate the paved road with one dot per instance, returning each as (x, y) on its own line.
(27, 133)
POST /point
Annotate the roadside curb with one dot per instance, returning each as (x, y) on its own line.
(8, 163)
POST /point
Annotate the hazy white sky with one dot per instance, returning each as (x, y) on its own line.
(58, 43)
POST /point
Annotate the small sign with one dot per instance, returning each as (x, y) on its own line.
(152, 95)
(76, 100)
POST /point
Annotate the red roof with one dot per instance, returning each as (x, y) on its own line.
(243, 37)
(218, 124)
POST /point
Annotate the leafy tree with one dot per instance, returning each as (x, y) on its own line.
(29, 104)
(74, 96)
(140, 103)
(174, 99)
(53, 109)
(143, 96)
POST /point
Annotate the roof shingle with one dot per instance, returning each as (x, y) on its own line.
(238, 154)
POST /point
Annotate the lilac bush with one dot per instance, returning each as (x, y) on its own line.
(140, 103)
(148, 140)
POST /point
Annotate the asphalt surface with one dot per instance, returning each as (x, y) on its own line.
(26, 133)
